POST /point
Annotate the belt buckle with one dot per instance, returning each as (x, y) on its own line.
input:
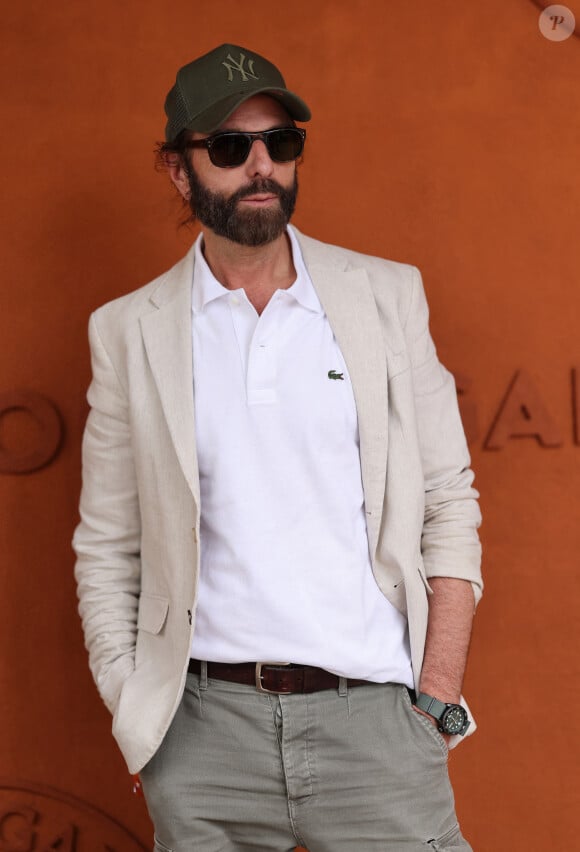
(259, 677)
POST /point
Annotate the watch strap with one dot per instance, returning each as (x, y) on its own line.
(431, 705)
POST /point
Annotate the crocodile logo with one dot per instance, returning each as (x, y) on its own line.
(332, 374)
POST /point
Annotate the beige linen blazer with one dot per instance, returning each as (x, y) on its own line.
(138, 539)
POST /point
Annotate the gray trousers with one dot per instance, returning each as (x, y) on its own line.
(351, 770)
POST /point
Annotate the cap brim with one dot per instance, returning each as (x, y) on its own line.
(213, 118)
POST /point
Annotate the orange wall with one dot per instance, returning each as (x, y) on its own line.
(445, 134)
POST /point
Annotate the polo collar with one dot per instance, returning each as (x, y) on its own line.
(206, 287)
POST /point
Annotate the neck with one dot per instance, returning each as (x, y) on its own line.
(259, 270)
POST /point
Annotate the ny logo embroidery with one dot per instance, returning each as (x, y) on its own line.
(245, 73)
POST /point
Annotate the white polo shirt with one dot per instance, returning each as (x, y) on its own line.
(285, 568)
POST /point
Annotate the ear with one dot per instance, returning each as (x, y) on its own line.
(178, 174)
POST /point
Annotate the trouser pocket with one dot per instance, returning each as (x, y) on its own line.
(159, 846)
(451, 841)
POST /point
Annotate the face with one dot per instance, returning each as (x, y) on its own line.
(250, 204)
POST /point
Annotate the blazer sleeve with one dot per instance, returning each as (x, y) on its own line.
(450, 542)
(107, 539)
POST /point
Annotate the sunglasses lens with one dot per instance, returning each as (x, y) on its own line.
(229, 149)
(285, 144)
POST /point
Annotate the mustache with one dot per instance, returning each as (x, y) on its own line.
(264, 186)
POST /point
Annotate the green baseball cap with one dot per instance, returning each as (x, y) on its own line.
(210, 88)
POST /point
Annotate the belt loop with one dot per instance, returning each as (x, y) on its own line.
(203, 674)
(342, 687)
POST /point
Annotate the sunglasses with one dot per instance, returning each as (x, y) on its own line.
(230, 149)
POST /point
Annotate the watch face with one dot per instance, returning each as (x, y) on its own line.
(454, 719)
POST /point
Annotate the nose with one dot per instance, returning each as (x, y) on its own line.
(259, 161)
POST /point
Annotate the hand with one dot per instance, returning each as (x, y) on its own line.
(433, 721)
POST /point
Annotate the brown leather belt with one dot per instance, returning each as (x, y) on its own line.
(277, 678)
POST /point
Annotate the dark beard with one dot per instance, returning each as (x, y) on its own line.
(246, 227)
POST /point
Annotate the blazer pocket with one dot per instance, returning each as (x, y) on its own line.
(152, 613)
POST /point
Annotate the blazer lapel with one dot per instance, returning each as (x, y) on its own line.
(167, 336)
(349, 304)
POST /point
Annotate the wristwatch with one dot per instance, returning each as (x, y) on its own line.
(451, 718)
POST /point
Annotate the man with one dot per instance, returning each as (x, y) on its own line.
(278, 560)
